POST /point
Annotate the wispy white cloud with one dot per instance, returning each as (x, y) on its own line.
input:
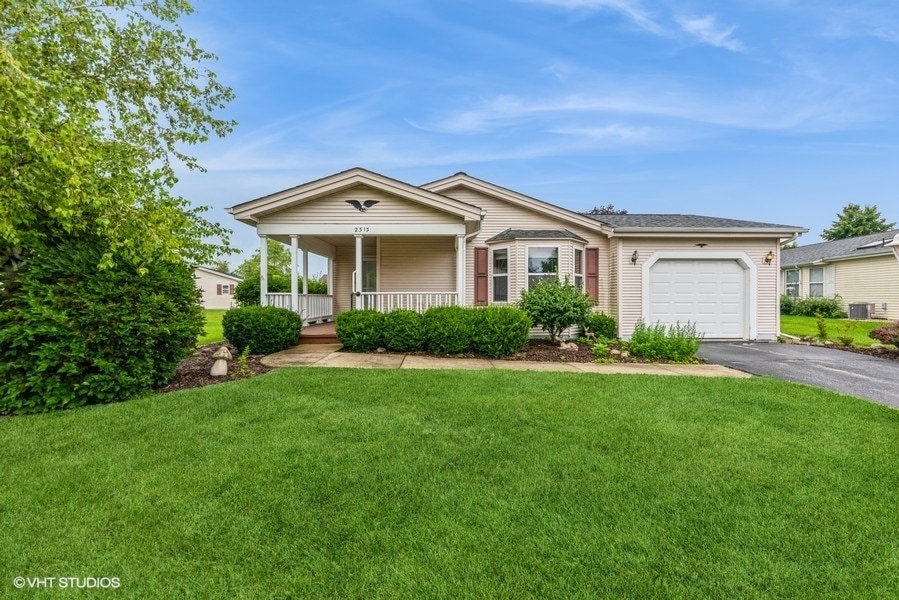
(708, 31)
(628, 8)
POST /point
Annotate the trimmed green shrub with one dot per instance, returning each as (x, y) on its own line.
(787, 305)
(829, 308)
(72, 334)
(360, 330)
(264, 329)
(555, 306)
(601, 325)
(499, 330)
(247, 291)
(403, 331)
(675, 343)
(887, 335)
(449, 329)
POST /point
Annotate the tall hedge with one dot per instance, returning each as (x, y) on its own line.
(71, 334)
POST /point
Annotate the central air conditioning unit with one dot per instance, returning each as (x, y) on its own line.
(861, 310)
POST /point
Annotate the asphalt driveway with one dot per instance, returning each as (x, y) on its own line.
(864, 376)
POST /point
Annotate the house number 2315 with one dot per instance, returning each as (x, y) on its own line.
(361, 229)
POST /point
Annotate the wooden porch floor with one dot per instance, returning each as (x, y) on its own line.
(320, 333)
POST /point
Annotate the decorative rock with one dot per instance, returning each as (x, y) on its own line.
(829, 343)
(381, 350)
(220, 364)
(625, 354)
(568, 346)
(615, 352)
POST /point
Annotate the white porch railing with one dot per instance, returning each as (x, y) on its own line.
(417, 301)
(312, 307)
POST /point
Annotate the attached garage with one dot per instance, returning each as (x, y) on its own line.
(710, 293)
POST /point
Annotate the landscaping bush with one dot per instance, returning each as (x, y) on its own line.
(787, 305)
(72, 334)
(829, 308)
(449, 329)
(887, 335)
(264, 329)
(403, 331)
(360, 330)
(601, 325)
(675, 343)
(500, 330)
(555, 306)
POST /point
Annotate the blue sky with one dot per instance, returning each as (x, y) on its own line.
(771, 110)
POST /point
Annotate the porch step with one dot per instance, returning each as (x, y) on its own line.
(320, 333)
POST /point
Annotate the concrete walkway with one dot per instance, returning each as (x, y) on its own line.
(328, 355)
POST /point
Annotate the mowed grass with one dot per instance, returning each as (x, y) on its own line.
(808, 326)
(213, 331)
(360, 484)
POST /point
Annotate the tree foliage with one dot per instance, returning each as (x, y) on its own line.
(278, 262)
(607, 209)
(99, 103)
(854, 221)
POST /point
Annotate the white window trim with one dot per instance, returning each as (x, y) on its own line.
(798, 282)
(575, 248)
(490, 300)
(742, 259)
(527, 267)
(811, 283)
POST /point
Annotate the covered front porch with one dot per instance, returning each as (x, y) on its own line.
(376, 272)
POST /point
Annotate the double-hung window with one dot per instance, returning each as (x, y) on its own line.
(543, 264)
(579, 268)
(792, 287)
(816, 282)
(501, 275)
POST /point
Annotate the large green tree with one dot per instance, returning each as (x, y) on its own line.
(278, 262)
(99, 103)
(855, 220)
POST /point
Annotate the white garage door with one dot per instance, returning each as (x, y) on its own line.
(710, 293)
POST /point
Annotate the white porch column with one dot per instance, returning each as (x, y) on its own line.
(460, 269)
(331, 276)
(263, 269)
(305, 272)
(294, 297)
(357, 277)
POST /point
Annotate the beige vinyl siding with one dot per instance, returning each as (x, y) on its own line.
(612, 274)
(208, 285)
(502, 215)
(417, 264)
(344, 264)
(873, 280)
(631, 276)
(334, 209)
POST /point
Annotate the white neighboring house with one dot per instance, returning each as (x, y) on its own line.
(217, 287)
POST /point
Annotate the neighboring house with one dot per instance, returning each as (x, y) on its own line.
(462, 240)
(860, 270)
(217, 287)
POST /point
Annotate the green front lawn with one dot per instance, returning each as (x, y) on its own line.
(353, 483)
(808, 326)
(213, 327)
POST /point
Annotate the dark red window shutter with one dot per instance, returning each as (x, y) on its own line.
(592, 273)
(218, 289)
(480, 276)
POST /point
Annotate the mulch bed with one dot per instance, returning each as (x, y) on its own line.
(193, 372)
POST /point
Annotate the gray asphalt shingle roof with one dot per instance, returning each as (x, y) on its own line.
(536, 234)
(848, 248)
(655, 221)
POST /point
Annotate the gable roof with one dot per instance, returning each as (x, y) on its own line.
(692, 223)
(461, 179)
(856, 247)
(535, 234)
(231, 276)
(250, 211)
